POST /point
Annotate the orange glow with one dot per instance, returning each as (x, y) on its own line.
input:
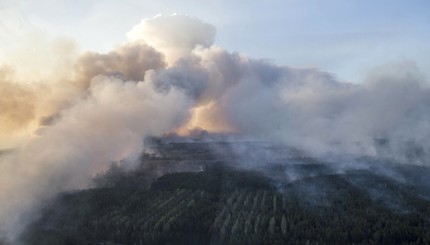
(206, 117)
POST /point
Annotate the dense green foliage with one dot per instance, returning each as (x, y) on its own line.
(225, 206)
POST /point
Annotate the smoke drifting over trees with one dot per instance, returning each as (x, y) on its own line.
(170, 77)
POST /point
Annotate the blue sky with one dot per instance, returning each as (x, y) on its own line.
(344, 37)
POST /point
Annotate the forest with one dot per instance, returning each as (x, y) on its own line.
(225, 205)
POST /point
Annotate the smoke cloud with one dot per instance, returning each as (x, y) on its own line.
(170, 77)
(107, 125)
(130, 61)
(174, 38)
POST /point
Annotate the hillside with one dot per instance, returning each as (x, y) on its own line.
(206, 199)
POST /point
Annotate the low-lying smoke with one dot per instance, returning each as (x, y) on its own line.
(107, 125)
(169, 77)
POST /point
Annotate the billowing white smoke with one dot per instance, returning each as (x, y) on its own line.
(385, 115)
(107, 125)
(111, 107)
(132, 92)
(174, 35)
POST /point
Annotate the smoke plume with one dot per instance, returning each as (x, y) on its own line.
(174, 38)
(170, 77)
